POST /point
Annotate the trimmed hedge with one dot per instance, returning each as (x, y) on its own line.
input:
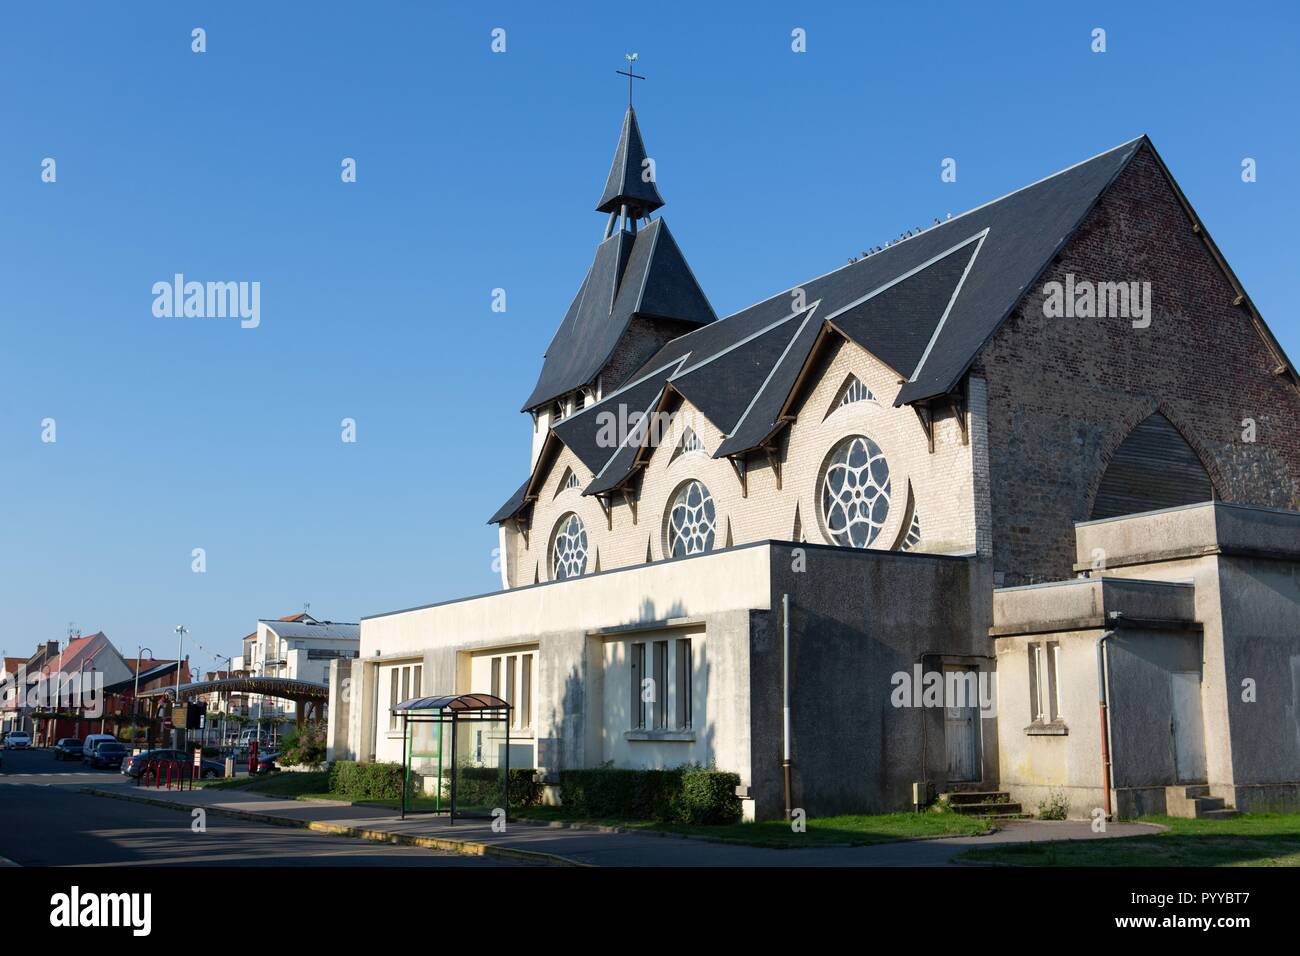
(708, 797)
(481, 786)
(366, 781)
(693, 795)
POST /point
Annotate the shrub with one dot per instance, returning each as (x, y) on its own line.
(1054, 806)
(708, 797)
(126, 733)
(366, 781)
(693, 795)
(481, 786)
(305, 747)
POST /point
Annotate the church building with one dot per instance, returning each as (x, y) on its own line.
(1010, 505)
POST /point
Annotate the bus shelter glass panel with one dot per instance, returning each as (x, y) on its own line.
(428, 770)
(455, 755)
(481, 761)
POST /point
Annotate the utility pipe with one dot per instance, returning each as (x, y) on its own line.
(785, 699)
(1106, 768)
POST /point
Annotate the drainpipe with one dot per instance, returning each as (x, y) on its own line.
(1107, 770)
(785, 699)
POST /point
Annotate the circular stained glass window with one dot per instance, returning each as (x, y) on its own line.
(855, 492)
(692, 520)
(568, 548)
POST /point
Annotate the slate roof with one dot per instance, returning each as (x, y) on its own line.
(925, 306)
(633, 274)
(625, 184)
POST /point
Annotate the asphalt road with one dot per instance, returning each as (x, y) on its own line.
(44, 821)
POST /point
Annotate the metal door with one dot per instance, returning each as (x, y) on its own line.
(1187, 727)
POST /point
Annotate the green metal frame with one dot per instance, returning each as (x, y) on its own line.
(443, 718)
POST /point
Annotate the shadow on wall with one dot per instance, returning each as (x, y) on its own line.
(576, 703)
(649, 614)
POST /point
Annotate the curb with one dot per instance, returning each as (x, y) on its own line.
(723, 841)
(468, 847)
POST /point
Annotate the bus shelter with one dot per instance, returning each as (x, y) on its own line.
(455, 755)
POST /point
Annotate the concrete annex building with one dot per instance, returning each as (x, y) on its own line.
(944, 473)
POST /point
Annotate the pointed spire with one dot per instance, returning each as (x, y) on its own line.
(630, 181)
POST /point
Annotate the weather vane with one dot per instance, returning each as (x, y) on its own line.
(631, 58)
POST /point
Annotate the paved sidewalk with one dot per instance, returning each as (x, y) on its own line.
(590, 847)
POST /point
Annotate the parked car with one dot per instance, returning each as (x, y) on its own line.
(68, 748)
(17, 740)
(91, 742)
(209, 769)
(109, 753)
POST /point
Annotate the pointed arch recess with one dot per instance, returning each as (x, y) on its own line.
(1154, 466)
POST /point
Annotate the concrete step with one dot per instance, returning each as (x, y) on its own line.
(1221, 814)
(958, 797)
(1194, 802)
(992, 808)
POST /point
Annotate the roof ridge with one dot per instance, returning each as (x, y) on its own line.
(924, 232)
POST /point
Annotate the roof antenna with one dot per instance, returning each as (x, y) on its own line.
(631, 58)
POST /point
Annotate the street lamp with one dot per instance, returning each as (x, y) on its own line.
(135, 698)
(181, 631)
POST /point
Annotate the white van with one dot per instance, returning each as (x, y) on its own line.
(90, 743)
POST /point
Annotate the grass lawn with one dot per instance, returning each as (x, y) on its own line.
(296, 785)
(1252, 839)
(821, 831)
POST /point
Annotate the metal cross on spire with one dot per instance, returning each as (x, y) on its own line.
(631, 58)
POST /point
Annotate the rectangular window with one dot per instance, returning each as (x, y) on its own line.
(660, 686)
(526, 692)
(417, 678)
(394, 677)
(1035, 699)
(1053, 701)
(683, 690)
(637, 668)
(510, 689)
(496, 677)
(1044, 687)
(406, 683)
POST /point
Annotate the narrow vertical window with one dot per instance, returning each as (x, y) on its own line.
(636, 669)
(1035, 700)
(417, 678)
(683, 690)
(496, 677)
(393, 699)
(661, 685)
(1053, 686)
(510, 689)
(526, 691)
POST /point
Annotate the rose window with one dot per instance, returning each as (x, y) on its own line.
(855, 492)
(692, 519)
(569, 548)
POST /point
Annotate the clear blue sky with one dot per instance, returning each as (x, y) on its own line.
(479, 170)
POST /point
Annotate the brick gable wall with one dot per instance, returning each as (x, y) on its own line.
(1064, 392)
